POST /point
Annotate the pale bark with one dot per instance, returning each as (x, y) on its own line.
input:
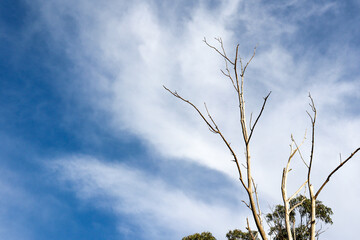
(313, 212)
(313, 195)
(287, 200)
(286, 203)
(311, 188)
(236, 76)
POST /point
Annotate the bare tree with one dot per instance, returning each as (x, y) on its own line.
(312, 194)
(235, 71)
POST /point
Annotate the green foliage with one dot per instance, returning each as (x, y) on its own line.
(276, 220)
(302, 214)
(231, 235)
(322, 212)
(240, 235)
(202, 236)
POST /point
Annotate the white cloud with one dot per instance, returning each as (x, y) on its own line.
(126, 53)
(149, 202)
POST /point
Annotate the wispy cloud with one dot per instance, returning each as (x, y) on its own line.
(126, 52)
(160, 210)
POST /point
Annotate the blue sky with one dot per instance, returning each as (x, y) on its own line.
(94, 148)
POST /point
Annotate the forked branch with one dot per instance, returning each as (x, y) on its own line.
(313, 195)
(236, 75)
(250, 231)
(287, 200)
(214, 129)
(237, 80)
(223, 53)
(313, 121)
(247, 64)
(258, 117)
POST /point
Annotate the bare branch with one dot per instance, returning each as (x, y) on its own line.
(313, 120)
(213, 129)
(250, 121)
(311, 188)
(340, 158)
(239, 91)
(258, 117)
(225, 74)
(296, 205)
(300, 151)
(243, 70)
(297, 192)
(241, 64)
(221, 44)
(222, 54)
(249, 229)
(334, 171)
(286, 200)
(212, 120)
(187, 101)
(257, 199)
(246, 204)
(237, 81)
(319, 232)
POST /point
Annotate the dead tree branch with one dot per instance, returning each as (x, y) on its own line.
(311, 187)
(334, 171)
(287, 200)
(214, 129)
(247, 64)
(249, 230)
(236, 74)
(313, 195)
(237, 80)
(223, 54)
(258, 117)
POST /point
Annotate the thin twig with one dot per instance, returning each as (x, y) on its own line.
(296, 205)
(299, 149)
(340, 158)
(297, 192)
(258, 117)
(246, 204)
(187, 101)
(212, 120)
(337, 168)
(243, 70)
(213, 129)
(313, 120)
(249, 229)
(224, 56)
(257, 198)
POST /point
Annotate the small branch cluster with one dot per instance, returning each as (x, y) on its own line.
(235, 72)
(312, 194)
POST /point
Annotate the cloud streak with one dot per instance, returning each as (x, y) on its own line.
(126, 52)
(160, 210)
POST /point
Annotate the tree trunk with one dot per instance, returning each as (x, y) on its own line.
(313, 212)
